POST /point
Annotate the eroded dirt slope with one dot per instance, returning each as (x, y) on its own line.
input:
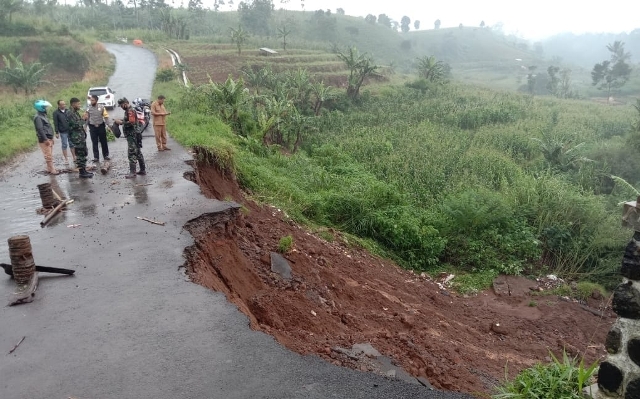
(340, 295)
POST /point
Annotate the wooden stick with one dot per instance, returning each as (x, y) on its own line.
(150, 221)
(55, 194)
(25, 293)
(53, 212)
(8, 269)
(140, 185)
(105, 167)
(17, 345)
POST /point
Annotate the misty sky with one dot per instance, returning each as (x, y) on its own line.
(533, 19)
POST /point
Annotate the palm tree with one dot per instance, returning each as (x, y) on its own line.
(239, 37)
(19, 75)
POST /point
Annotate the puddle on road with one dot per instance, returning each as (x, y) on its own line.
(18, 214)
(20, 200)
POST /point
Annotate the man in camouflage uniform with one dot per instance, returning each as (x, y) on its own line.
(78, 138)
(131, 130)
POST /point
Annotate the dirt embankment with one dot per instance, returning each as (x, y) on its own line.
(340, 295)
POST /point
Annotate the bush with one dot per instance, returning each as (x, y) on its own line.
(165, 75)
(64, 57)
(557, 380)
(485, 232)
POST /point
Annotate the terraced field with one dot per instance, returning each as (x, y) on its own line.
(218, 61)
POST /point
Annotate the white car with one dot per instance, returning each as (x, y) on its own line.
(106, 96)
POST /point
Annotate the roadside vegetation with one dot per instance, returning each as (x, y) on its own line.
(36, 65)
(452, 177)
(562, 378)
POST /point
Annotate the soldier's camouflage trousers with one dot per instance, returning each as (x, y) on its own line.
(80, 144)
(133, 151)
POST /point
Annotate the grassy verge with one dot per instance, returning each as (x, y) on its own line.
(16, 111)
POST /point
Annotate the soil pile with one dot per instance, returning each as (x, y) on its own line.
(339, 295)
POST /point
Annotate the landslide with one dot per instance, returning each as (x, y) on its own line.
(340, 295)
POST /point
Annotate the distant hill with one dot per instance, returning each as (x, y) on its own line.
(587, 49)
(319, 30)
(469, 44)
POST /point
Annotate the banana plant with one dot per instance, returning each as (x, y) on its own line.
(230, 96)
(322, 94)
(22, 76)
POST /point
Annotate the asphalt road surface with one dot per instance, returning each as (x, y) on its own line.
(129, 324)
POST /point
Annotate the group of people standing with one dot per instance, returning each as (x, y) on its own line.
(69, 127)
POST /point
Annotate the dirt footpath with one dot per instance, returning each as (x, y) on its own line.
(340, 295)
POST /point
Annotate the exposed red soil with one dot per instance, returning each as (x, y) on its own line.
(341, 295)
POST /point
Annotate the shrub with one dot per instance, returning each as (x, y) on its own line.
(165, 75)
(285, 244)
(558, 380)
(64, 57)
(485, 232)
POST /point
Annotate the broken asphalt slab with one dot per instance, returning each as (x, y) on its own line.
(128, 325)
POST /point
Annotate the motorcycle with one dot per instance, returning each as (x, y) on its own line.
(143, 112)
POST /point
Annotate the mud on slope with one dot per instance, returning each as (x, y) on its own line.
(340, 295)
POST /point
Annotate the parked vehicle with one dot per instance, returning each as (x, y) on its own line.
(143, 112)
(106, 96)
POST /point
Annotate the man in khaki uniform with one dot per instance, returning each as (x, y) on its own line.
(159, 125)
(95, 116)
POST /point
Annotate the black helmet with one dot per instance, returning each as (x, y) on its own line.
(123, 100)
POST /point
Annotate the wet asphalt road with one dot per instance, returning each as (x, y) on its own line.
(128, 324)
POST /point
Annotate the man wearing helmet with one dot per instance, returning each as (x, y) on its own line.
(131, 127)
(44, 132)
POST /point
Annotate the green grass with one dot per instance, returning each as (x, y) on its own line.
(560, 379)
(16, 111)
(285, 244)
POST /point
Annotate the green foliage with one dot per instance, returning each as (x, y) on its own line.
(285, 244)
(634, 137)
(360, 67)
(64, 57)
(473, 281)
(239, 36)
(585, 289)
(256, 14)
(431, 69)
(486, 233)
(558, 380)
(451, 178)
(22, 76)
(166, 75)
(283, 32)
(614, 73)
(172, 25)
